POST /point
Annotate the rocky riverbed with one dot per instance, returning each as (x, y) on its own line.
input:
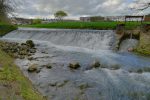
(73, 72)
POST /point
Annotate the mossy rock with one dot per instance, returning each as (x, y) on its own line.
(48, 66)
(32, 50)
(30, 43)
(96, 64)
(84, 86)
(74, 65)
(33, 68)
(139, 71)
(31, 58)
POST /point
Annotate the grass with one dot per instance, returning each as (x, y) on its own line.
(144, 45)
(5, 28)
(83, 25)
(12, 78)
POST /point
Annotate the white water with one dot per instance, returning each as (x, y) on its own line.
(91, 39)
(84, 46)
(128, 43)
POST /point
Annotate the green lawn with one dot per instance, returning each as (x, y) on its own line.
(84, 25)
(5, 28)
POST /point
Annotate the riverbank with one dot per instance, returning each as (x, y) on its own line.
(13, 84)
(5, 28)
(144, 44)
(84, 25)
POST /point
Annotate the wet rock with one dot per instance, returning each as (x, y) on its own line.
(33, 68)
(139, 71)
(17, 50)
(84, 86)
(23, 52)
(30, 43)
(142, 70)
(32, 50)
(130, 49)
(96, 64)
(74, 65)
(47, 66)
(31, 58)
(54, 84)
(61, 84)
(38, 70)
(44, 52)
(146, 69)
(23, 44)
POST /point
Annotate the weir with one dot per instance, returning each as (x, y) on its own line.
(59, 47)
(91, 39)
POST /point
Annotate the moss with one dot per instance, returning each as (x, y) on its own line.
(144, 46)
(11, 75)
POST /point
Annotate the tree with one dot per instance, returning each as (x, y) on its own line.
(5, 8)
(36, 21)
(60, 15)
(141, 5)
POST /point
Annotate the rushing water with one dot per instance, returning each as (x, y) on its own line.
(60, 47)
(128, 43)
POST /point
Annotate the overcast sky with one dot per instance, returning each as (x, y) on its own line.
(77, 8)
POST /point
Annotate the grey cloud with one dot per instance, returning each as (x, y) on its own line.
(35, 8)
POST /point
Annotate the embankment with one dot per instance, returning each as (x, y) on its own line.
(13, 84)
(144, 45)
(5, 28)
(141, 34)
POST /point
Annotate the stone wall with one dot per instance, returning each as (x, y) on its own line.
(141, 33)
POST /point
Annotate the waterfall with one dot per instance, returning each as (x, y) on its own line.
(91, 39)
(59, 47)
(128, 43)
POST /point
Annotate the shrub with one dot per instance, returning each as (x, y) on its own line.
(36, 21)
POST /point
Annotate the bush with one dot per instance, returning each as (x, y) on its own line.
(36, 21)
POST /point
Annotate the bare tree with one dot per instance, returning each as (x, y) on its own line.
(141, 5)
(6, 7)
